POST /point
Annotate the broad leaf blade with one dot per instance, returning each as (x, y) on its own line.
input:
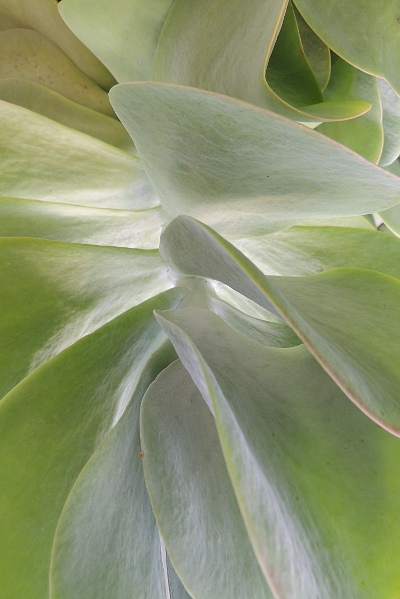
(60, 414)
(77, 224)
(54, 293)
(107, 543)
(191, 493)
(123, 34)
(328, 312)
(241, 169)
(67, 166)
(391, 123)
(315, 479)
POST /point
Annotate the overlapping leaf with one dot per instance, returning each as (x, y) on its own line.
(66, 166)
(391, 123)
(315, 479)
(123, 34)
(191, 493)
(364, 135)
(108, 519)
(363, 33)
(43, 16)
(54, 293)
(54, 420)
(241, 169)
(225, 47)
(78, 224)
(328, 312)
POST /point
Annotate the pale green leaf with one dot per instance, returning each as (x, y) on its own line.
(107, 543)
(366, 34)
(308, 250)
(241, 169)
(273, 334)
(50, 426)
(29, 55)
(226, 47)
(52, 105)
(328, 311)
(66, 166)
(78, 224)
(317, 53)
(123, 34)
(54, 293)
(191, 493)
(391, 123)
(363, 135)
(315, 479)
(43, 16)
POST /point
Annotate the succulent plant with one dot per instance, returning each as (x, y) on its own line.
(200, 264)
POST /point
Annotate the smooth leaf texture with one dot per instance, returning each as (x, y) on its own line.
(241, 169)
(54, 293)
(363, 33)
(50, 426)
(309, 250)
(107, 543)
(328, 312)
(27, 54)
(317, 53)
(192, 495)
(123, 34)
(391, 123)
(273, 334)
(52, 105)
(316, 481)
(225, 47)
(43, 16)
(77, 224)
(363, 135)
(66, 166)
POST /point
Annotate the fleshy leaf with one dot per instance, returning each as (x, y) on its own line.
(77, 224)
(273, 334)
(328, 311)
(391, 123)
(191, 493)
(308, 250)
(54, 293)
(52, 105)
(107, 543)
(29, 55)
(60, 414)
(315, 479)
(317, 53)
(123, 34)
(43, 16)
(363, 135)
(226, 48)
(365, 34)
(66, 166)
(241, 169)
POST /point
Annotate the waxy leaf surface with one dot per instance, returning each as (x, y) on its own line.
(226, 47)
(364, 134)
(45, 101)
(123, 34)
(315, 479)
(78, 224)
(66, 166)
(241, 169)
(328, 311)
(317, 53)
(107, 543)
(391, 123)
(52, 423)
(54, 293)
(363, 33)
(191, 493)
